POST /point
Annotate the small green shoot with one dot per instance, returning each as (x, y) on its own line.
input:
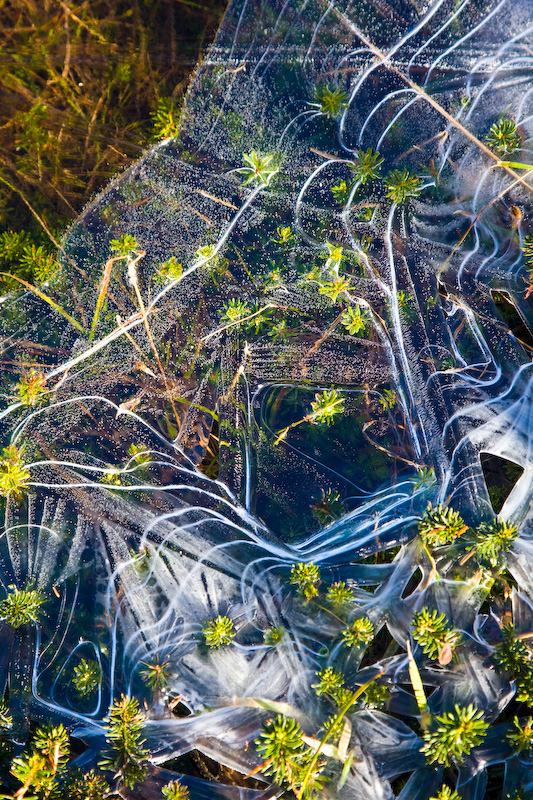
(175, 791)
(355, 323)
(504, 137)
(360, 632)
(330, 102)
(219, 632)
(307, 578)
(258, 169)
(434, 633)
(155, 675)
(87, 676)
(273, 636)
(21, 606)
(124, 732)
(440, 526)
(340, 594)
(401, 186)
(452, 735)
(521, 737)
(367, 166)
(31, 388)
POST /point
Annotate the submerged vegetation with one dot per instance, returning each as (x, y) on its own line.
(248, 542)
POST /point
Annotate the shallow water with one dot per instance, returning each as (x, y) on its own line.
(137, 552)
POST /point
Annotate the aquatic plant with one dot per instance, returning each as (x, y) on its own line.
(322, 390)
(401, 186)
(360, 631)
(340, 593)
(355, 323)
(219, 631)
(521, 736)
(124, 732)
(307, 578)
(440, 526)
(452, 735)
(503, 137)
(175, 791)
(367, 166)
(87, 676)
(492, 540)
(445, 793)
(330, 681)
(14, 476)
(258, 169)
(433, 632)
(156, 675)
(21, 606)
(330, 102)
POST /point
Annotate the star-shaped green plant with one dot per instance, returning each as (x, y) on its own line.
(258, 169)
(515, 658)
(452, 735)
(334, 257)
(273, 636)
(504, 137)
(361, 631)
(354, 322)
(87, 676)
(330, 102)
(14, 476)
(445, 793)
(335, 288)
(21, 606)
(175, 791)
(234, 310)
(340, 594)
(328, 506)
(330, 682)
(307, 578)
(31, 388)
(219, 631)
(521, 736)
(433, 632)
(401, 186)
(367, 166)
(492, 540)
(440, 526)
(326, 407)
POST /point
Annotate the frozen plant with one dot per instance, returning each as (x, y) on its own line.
(340, 594)
(433, 632)
(445, 793)
(258, 169)
(367, 166)
(219, 632)
(14, 476)
(307, 578)
(175, 791)
(440, 526)
(326, 407)
(361, 631)
(330, 102)
(354, 322)
(155, 675)
(330, 682)
(521, 736)
(401, 186)
(452, 735)
(504, 137)
(492, 540)
(21, 606)
(87, 676)
(124, 732)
